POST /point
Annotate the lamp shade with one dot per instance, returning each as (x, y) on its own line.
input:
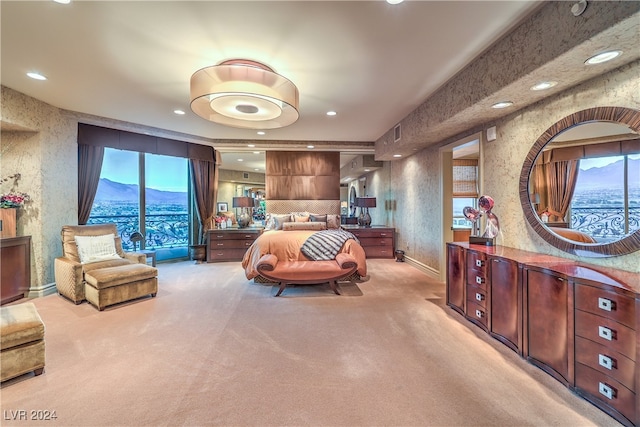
(244, 94)
(243, 202)
(366, 202)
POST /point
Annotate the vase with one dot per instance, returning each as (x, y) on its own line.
(7, 222)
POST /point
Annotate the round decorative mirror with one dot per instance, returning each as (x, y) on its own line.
(597, 213)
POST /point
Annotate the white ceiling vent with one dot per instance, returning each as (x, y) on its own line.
(396, 133)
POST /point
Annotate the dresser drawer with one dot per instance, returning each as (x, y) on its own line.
(606, 361)
(476, 312)
(232, 235)
(226, 243)
(606, 332)
(606, 389)
(477, 295)
(226, 254)
(476, 278)
(606, 304)
(376, 241)
(476, 261)
(378, 251)
(372, 233)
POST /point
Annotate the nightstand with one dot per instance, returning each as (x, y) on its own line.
(378, 241)
(230, 244)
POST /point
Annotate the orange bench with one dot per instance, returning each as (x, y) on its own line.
(307, 272)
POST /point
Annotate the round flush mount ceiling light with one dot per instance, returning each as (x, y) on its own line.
(543, 85)
(603, 57)
(244, 94)
(503, 104)
(394, 1)
(36, 76)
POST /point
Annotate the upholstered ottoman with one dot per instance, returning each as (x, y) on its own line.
(21, 341)
(112, 285)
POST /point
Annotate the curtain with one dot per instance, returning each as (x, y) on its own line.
(89, 167)
(562, 178)
(204, 181)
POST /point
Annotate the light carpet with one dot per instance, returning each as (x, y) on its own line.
(216, 349)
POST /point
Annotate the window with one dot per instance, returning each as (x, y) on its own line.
(606, 200)
(164, 220)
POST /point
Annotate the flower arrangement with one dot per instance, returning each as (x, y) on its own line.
(13, 199)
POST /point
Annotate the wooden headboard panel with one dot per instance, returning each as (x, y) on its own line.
(314, 206)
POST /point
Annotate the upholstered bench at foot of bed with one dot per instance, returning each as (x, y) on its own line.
(307, 272)
(21, 341)
(112, 285)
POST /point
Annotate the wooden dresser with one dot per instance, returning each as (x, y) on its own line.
(377, 241)
(577, 322)
(230, 244)
(15, 253)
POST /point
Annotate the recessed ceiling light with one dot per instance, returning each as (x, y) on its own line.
(503, 104)
(603, 57)
(256, 152)
(179, 112)
(367, 170)
(543, 85)
(261, 132)
(310, 146)
(241, 160)
(36, 76)
(397, 155)
(331, 113)
(256, 169)
(62, 1)
(394, 1)
(251, 145)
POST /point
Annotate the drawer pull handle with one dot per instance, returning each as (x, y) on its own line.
(383, 234)
(607, 391)
(606, 333)
(479, 296)
(605, 361)
(479, 314)
(605, 304)
(220, 244)
(219, 236)
(479, 280)
(479, 263)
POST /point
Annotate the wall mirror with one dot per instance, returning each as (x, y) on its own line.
(603, 218)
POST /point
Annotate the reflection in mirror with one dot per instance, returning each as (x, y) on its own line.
(580, 184)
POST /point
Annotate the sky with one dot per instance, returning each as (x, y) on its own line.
(603, 161)
(164, 173)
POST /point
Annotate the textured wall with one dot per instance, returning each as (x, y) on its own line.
(414, 182)
(47, 160)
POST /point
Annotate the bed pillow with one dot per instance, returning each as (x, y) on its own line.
(289, 226)
(300, 216)
(96, 248)
(275, 221)
(333, 221)
(317, 218)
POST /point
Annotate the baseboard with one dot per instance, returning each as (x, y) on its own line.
(431, 272)
(41, 291)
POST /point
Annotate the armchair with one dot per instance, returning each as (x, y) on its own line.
(101, 279)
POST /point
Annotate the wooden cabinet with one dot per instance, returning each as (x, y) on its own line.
(15, 253)
(547, 323)
(230, 244)
(506, 295)
(456, 278)
(606, 349)
(577, 322)
(477, 288)
(377, 241)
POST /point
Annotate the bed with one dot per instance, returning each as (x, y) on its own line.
(287, 246)
(575, 235)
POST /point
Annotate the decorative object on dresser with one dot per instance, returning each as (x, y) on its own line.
(364, 203)
(230, 244)
(492, 228)
(377, 241)
(244, 203)
(576, 322)
(9, 203)
(15, 253)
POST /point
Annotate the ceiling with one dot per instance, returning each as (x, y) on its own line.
(371, 62)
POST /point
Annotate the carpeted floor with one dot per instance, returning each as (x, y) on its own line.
(215, 349)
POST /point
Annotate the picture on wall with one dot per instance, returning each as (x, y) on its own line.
(223, 207)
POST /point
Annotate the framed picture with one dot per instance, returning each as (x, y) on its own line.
(223, 207)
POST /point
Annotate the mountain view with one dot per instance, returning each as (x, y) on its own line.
(610, 176)
(111, 191)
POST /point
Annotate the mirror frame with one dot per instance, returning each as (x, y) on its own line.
(626, 245)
